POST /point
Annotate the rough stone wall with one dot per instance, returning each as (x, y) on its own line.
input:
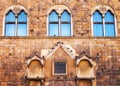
(14, 50)
(81, 11)
(13, 67)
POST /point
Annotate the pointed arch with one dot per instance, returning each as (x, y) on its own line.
(10, 24)
(106, 27)
(62, 24)
(109, 24)
(17, 25)
(65, 23)
(53, 24)
(22, 23)
(97, 24)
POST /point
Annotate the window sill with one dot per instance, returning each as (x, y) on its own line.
(60, 37)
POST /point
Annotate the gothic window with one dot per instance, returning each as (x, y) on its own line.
(59, 24)
(10, 24)
(59, 67)
(65, 24)
(109, 24)
(53, 24)
(22, 24)
(97, 24)
(15, 25)
(103, 25)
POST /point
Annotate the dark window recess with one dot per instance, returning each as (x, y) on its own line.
(60, 67)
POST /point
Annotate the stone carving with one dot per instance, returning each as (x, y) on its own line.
(16, 10)
(103, 9)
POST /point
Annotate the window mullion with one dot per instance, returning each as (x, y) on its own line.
(16, 26)
(59, 25)
(103, 18)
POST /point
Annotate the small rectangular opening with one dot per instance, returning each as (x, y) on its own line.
(59, 67)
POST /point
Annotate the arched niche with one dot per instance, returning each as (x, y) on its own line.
(35, 69)
(85, 68)
(35, 72)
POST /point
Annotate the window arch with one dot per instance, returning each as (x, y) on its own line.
(15, 22)
(65, 24)
(10, 24)
(22, 24)
(109, 24)
(59, 24)
(53, 24)
(97, 24)
(104, 24)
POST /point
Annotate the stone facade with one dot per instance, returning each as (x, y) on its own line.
(100, 55)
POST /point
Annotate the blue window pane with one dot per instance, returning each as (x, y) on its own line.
(97, 17)
(109, 24)
(65, 30)
(109, 30)
(53, 29)
(10, 29)
(65, 16)
(22, 17)
(53, 16)
(10, 17)
(22, 30)
(109, 17)
(98, 30)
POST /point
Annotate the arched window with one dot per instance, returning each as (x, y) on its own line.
(53, 24)
(65, 24)
(22, 24)
(103, 25)
(59, 24)
(97, 24)
(16, 25)
(109, 24)
(10, 24)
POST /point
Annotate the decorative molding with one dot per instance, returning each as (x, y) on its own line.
(102, 9)
(59, 9)
(84, 56)
(68, 49)
(35, 56)
(16, 9)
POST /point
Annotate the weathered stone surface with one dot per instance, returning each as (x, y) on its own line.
(104, 51)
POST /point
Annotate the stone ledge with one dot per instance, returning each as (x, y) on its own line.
(60, 37)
